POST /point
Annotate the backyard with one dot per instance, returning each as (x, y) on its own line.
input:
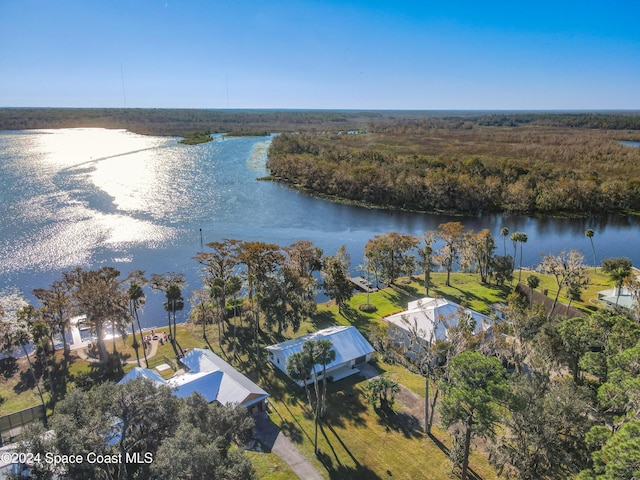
(355, 440)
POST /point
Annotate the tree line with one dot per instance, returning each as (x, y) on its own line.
(567, 406)
(140, 430)
(552, 396)
(426, 166)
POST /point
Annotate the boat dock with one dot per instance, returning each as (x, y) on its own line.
(363, 285)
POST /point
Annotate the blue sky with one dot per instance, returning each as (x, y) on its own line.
(321, 54)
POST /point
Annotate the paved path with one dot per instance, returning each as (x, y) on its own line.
(268, 433)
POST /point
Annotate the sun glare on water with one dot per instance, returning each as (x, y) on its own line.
(95, 187)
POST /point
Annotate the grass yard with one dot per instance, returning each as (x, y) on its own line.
(355, 440)
(269, 466)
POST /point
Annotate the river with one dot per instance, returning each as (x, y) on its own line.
(94, 197)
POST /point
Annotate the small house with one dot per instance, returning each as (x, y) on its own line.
(351, 348)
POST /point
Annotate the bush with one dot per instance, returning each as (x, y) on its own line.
(367, 307)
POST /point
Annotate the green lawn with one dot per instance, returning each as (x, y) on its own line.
(358, 442)
(269, 466)
(355, 440)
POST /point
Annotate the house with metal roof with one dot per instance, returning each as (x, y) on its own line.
(213, 378)
(351, 348)
(147, 373)
(429, 319)
(617, 298)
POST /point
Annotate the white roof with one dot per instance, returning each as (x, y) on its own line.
(348, 344)
(233, 387)
(210, 376)
(431, 318)
(137, 372)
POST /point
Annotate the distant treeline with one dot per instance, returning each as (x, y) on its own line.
(437, 161)
(183, 122)
(158, 121)
(545, 165)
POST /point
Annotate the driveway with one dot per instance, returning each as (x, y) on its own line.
(270, 435)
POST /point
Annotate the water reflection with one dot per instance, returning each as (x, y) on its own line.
(91, 197)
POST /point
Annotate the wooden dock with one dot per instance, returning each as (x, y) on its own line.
(363, 285)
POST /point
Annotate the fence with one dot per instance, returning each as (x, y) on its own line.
(11, 425)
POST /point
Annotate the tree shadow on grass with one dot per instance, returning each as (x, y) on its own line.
(323, 319)
(471, 474)
(355, 317)
(342, 472)
(342, 444)
(8, 367)
(26, 382)
(405, 423)
(345, 403)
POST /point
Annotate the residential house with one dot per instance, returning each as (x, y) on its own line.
(351, 348)
(213, 378)
(429, 319)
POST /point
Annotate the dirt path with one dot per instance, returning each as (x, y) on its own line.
(82, 353)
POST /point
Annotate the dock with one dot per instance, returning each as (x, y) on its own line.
(363, 284)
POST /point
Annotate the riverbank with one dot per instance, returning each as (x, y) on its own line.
(536, 169)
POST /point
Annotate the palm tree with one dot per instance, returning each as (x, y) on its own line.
(522, 238)
(234, 287)
(22, 337)
(309, 349)
(174, 304)
(618, 276)
(514, 238)
(217, 294)
(171, 284)
(325, 354)
(136, 300)
(504, 231)
(299, 366)
(589, 233)
(532, 282)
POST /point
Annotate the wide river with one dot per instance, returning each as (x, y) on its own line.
(94, 197)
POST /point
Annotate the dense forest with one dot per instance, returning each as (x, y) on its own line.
(537, 164)
(183, 122)
(432, 161)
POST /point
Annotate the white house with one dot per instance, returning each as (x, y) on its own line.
(147, 373)
(351, 348)
(429, 319)
(617, 298)
(213, 378)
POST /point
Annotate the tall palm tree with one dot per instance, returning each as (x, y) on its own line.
(22, 338)
(522, 238)
(325, 354)
(589, 233)
(234, 287)
(136, 300)
(618, 276)
(309, 349)
(514, 238)
(504, 231)
(171, 284)
(299, 367)
(532, 283)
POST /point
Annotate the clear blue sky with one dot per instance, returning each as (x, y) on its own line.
(429, 54)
